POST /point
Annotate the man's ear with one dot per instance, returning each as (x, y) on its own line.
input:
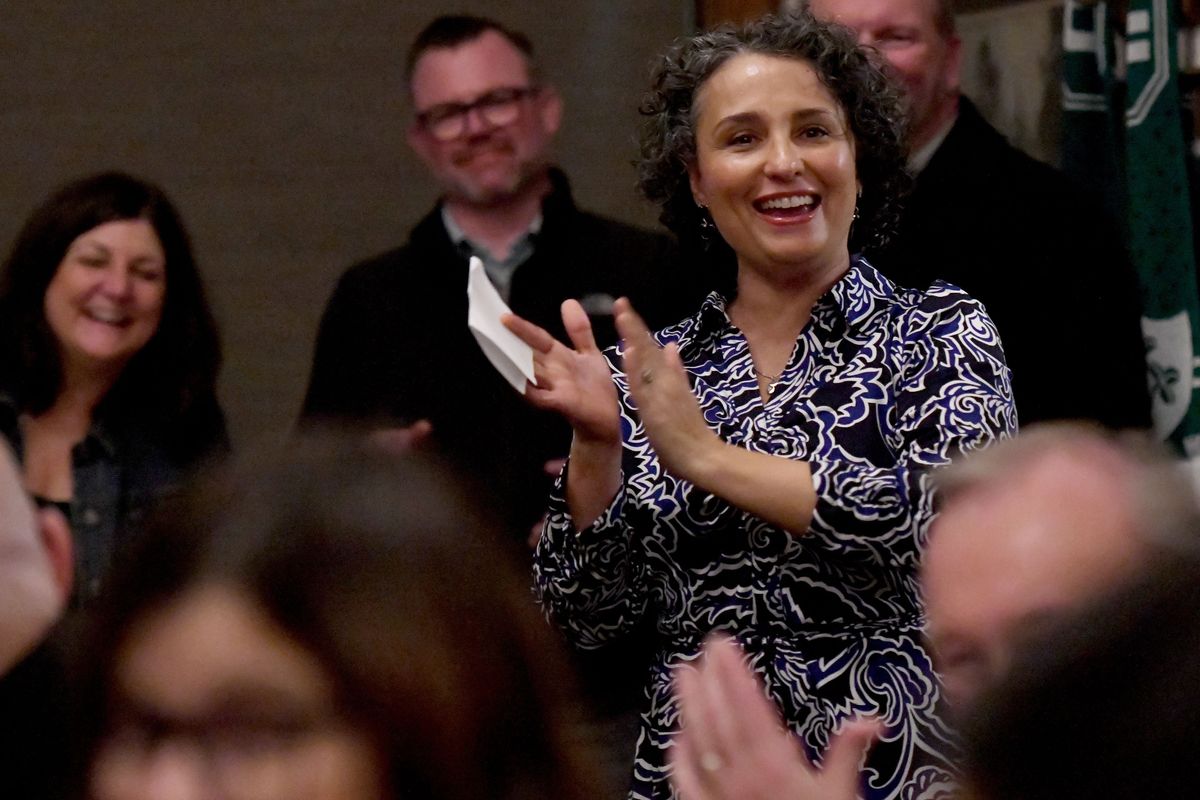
(549, 106)
(953, 76)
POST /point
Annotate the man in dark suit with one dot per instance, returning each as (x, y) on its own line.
(1013, 232)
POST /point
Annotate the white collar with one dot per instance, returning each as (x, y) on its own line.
(919, 159)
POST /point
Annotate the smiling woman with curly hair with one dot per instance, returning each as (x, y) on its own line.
(763, 468)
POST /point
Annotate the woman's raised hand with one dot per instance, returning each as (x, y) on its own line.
(668, 409)
(576, 383)
(733, 745)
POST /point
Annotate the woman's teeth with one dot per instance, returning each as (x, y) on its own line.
(108, 317)
(788, 202)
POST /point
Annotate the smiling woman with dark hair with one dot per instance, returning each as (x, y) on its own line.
(763, 468)
(108, 359)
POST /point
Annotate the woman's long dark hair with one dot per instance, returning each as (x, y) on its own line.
(171, 383)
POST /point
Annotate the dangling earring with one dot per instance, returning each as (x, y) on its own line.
(707, 226)
(854, 220)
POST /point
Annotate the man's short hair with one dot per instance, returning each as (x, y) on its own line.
(1163, 499)
(452, 30)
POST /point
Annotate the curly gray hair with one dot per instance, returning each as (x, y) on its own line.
(872, 106)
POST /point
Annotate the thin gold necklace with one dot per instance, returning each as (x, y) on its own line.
(761, 374)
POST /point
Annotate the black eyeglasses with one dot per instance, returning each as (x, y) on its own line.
(497, 108)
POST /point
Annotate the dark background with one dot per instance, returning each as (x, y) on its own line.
(278, 129)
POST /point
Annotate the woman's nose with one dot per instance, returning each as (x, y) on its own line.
(784, 161)
(118, 280)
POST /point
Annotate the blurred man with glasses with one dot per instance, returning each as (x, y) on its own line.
(394, 351)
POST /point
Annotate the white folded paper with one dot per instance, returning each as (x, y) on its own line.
(511, 357)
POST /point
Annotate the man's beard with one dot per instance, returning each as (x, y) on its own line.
(522, 175)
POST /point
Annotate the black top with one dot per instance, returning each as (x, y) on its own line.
(394, 346)
(1044, 260)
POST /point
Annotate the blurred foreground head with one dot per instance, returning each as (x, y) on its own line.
(1105, 706)
(338, 624)
(1036, 528)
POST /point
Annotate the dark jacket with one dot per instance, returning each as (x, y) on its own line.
(124, 465)
(1047, 264)
(394, 346)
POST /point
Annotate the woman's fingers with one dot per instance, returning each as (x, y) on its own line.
(627, 318)
(733, 746)
(686, 772)
(579, 327)
(631, 328)
(671, 359)
(644, 362)
(840, 766)
(575, 382)
(533, 335)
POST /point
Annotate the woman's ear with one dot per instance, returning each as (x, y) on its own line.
(694, 181)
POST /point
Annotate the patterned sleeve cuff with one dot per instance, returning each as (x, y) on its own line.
(566, 550)
(586, 580)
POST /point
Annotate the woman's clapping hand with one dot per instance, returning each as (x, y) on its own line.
(734, 746)
(576, 383)
(659, 386)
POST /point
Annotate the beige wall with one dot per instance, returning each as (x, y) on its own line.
(1012, 64)
(278, 129)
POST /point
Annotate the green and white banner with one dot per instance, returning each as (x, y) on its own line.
(1124, 134)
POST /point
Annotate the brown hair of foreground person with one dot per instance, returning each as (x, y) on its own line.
(371, 640)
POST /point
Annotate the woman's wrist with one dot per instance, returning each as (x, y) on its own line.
(703, 463)
(593, 479)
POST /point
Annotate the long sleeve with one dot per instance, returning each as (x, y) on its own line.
(369, 360)
(884, 386)
(336, 386)
(589, 581)
(952, 395)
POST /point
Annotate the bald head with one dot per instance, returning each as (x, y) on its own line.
(1034, 529)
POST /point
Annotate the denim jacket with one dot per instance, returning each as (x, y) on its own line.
(118, 472)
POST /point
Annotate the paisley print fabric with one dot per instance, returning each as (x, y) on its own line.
(883, 385)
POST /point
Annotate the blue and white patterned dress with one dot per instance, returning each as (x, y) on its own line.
(884, 383)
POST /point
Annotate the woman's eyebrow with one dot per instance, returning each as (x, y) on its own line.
(92, 244)
(740, 118)
(816, 111)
